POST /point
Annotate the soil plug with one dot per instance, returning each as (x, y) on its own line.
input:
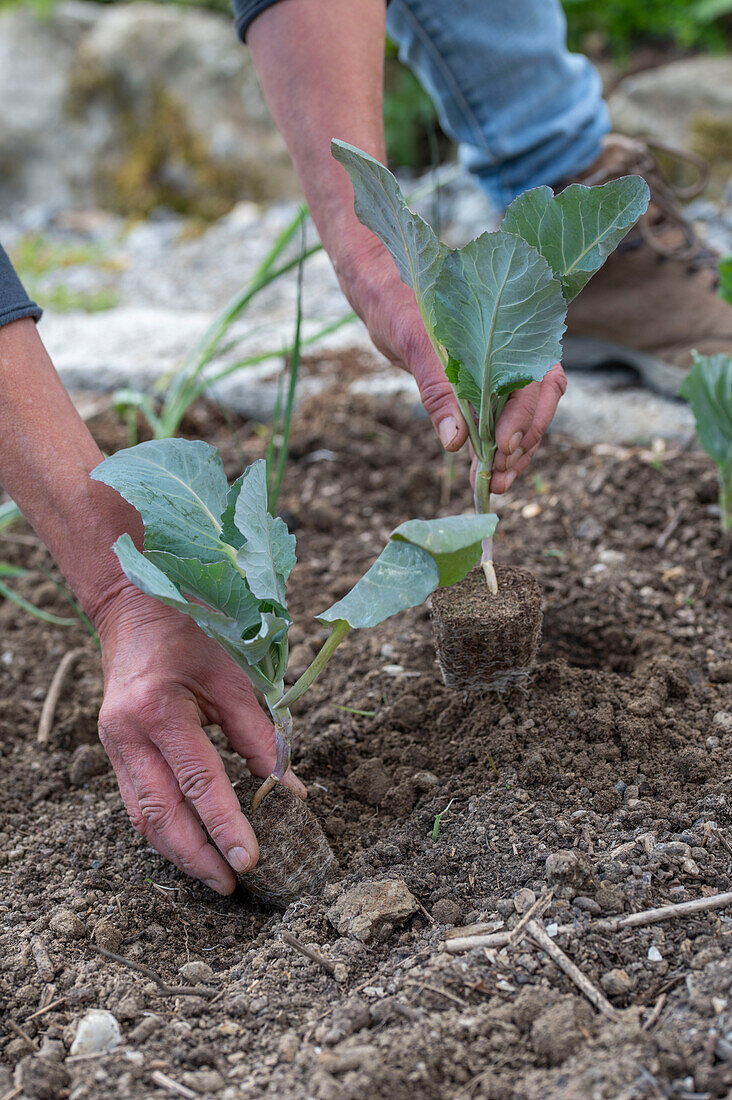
(294, 857)
(488, 642)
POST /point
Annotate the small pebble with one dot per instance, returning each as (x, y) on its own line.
(654, 954)
(447, 911)
(196, 972)
(617, 983)
(98, 1032)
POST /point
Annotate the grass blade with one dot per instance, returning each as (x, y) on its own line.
(293, 368)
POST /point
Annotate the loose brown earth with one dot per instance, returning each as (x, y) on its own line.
(619, 749)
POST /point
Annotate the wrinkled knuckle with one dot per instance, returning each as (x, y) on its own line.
(155, 811)
(435, 395)
(195, 781)
(414, 346)
(138, 821)
(218, 826)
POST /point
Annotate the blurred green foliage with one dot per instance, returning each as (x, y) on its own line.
(621, 25)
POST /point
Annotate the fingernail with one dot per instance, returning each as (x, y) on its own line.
(214, 884)
(514, 457)
(239, 859)
(447, 429)
(515, 441)
(510, 478)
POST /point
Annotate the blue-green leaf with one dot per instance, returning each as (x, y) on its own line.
(421, 555)
(217, 584)
(402, 576)
(178, 487)
(231, 532)
(708, 389)
(500, 312)
(454, 542)
(145, 574)
(267, 555)
(381, 207)
(577, 229)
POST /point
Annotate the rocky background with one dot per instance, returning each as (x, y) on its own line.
(142, 181)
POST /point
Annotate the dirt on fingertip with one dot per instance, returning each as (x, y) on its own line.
(606, 780)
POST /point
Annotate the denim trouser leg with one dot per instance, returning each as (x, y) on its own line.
(524, 110)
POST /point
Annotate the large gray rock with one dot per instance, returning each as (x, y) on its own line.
(133, 106)
(687, 104)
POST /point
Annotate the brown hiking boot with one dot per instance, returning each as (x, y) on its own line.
(655, 298)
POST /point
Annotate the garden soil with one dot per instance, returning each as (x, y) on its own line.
(606, 780)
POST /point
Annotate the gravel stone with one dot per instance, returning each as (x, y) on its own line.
(66, 923)
(87, 761)
(196, 972)
(366, 910)
(447, 911)
(617, 983)
(97, 1033)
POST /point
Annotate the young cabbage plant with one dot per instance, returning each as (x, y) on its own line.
(495, 310)
(216, 553)
(708, 389)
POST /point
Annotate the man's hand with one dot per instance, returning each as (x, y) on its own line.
(164, 679)
(527, 415)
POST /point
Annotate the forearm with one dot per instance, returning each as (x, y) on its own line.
(46, 455)
(320, 63)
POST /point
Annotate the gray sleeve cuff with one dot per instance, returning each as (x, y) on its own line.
(247, 10)
(14, 302)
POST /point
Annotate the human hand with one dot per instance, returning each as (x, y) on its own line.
(390, 312)
(521, 427)
(164, 679)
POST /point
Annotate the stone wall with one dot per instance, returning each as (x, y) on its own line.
(130, 107)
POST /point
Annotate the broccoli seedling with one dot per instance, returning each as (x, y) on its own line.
(708, 389)
(495, 309)
(215, 552)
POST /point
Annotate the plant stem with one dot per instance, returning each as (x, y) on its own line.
(338, 633)
(283, 744)
(482, 497)
(725, 500)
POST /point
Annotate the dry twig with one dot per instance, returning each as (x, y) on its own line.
(12, 1026)
(539, 935)
(46, 968)
(606, 924)
(48, 712)
(309, 952)
(536, 910)
(436, 989)
(46, 1008)
(168, 990)
(655, 1012)
(168, 1083)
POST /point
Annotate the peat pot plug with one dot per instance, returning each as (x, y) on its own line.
(495, 314)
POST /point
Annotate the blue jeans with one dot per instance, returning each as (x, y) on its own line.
(523, 109)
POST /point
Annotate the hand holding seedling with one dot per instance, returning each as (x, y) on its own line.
(304, 90)
(163, 677)
(494, 310)
(164, 680)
